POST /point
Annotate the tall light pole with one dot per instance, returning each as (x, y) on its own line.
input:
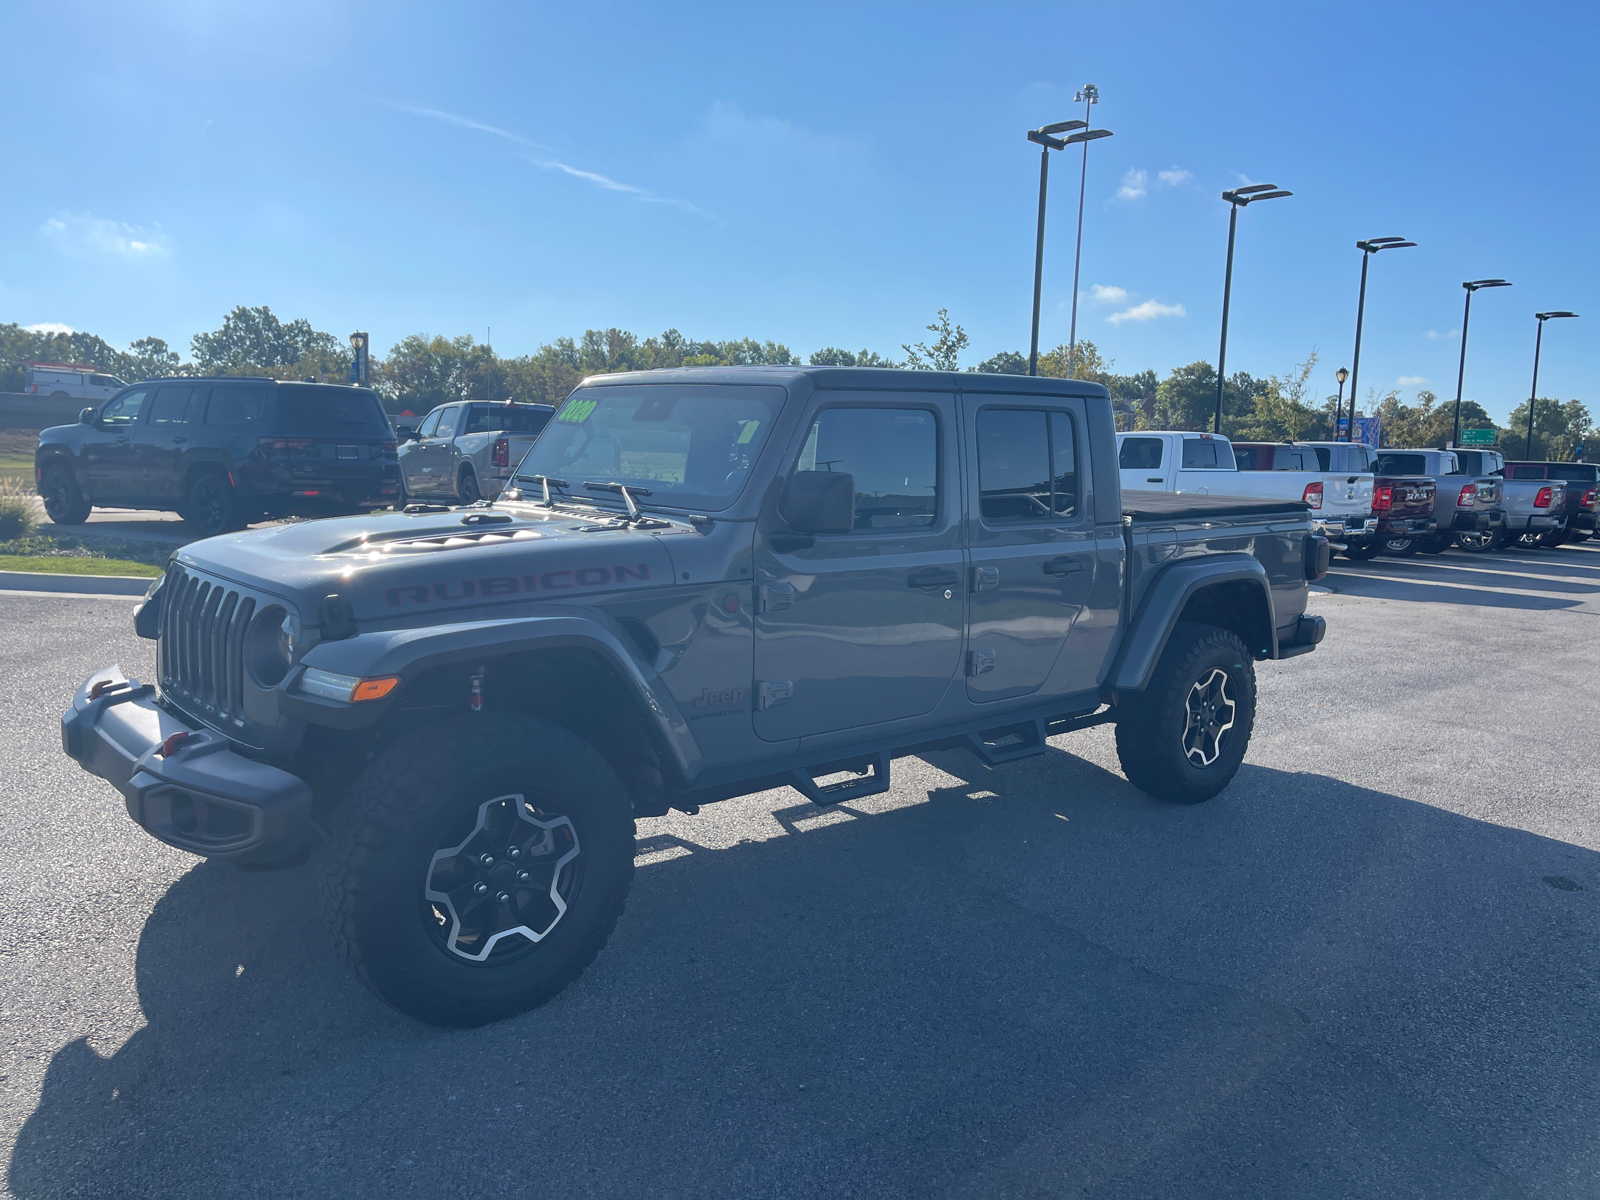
(1538, 342)
(1368, 248)
(1045, 138)
(1087, 96)
(1471, 285)
(1238, 198)
(1338, 408)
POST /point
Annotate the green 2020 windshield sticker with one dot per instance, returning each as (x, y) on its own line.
(577, 411)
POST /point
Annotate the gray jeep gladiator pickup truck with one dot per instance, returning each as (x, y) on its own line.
(703, 583)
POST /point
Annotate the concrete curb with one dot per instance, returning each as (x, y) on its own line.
(88, 585)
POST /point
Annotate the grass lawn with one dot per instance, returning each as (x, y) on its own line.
(61, 564)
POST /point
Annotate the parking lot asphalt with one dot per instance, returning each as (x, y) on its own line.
(1368, 968)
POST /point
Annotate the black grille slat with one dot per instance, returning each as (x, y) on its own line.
(202, 645)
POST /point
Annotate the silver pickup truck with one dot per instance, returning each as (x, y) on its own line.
(1464, 503)
(466, 452)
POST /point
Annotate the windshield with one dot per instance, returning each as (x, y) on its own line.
(689, 445)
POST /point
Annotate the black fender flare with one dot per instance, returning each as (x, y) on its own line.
(1164, 602)
(409, 652)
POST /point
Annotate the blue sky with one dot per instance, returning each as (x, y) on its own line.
(817, 174)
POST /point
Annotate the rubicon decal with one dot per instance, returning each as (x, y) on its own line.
(493, 586)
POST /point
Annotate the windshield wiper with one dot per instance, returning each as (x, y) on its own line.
(626, 490)
(546, 481)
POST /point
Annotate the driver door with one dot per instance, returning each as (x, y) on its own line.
(419, 471)
(110, 468)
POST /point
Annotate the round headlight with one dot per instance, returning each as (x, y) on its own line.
(270, 645)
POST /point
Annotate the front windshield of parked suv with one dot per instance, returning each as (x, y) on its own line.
(690, 446)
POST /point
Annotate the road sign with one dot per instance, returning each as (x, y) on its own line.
(1477, 437)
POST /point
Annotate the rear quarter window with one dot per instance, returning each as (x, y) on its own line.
(314, 410)
(236, 405)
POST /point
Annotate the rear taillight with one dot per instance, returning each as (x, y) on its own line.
(388, 447)
(1313, 494)
(500, 456)
(1468, 497)
(1542, 500)
(1588, 497)
(1381, 497)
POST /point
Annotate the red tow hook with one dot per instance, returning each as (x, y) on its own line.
(174, 740)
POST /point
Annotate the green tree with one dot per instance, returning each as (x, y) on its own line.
(1007, 362)
(1557, 429)
(832, 356)
(255, 341)
(945, 353)
(149, 358)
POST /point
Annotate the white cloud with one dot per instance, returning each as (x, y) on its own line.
(1101, 294)
(79, 235)
(1436, 336)
(1133, 184)
(1175, 176)
(1148, 310)
(543, 162)
(1411, 380)
(49, 327)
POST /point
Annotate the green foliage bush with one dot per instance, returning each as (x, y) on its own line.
(17, 518)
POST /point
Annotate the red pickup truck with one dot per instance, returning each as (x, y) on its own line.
(1403, 506)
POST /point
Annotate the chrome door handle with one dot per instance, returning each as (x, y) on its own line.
(1064, 566)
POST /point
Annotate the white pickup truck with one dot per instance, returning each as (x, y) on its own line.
(1334, 478)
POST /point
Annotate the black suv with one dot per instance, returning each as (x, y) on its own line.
(222, 451)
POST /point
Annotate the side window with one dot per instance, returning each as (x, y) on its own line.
(893, 454)
(123, 410)
(1285, 460)
(1199, 454)
(173, 405)
(1139, 454)
(104, 381)
(449, 421)
(429, 424)
(480, 420)
(1027, 466)
(1324, 455)
(1249, 458)
(235, 405)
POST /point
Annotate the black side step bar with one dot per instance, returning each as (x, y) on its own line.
(1008, 743)
(872, 773)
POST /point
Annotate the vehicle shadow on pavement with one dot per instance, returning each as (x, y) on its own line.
(1022, 980)
(1439, 588)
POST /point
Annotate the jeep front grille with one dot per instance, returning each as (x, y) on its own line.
(201, 650)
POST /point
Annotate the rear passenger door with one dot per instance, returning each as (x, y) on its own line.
(1141, 461)
(161, 440)
(1031, 537)
(865, 627)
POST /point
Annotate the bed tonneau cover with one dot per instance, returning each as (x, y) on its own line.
(1174, 506)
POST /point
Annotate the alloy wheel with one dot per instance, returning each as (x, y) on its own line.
(1210, 717)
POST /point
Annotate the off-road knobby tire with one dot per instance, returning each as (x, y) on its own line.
(1150, 725)
(393, 819)
(1437, 544)
(1362, 553)
(63, 502)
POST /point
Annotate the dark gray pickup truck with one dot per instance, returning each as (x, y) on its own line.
(703, 583)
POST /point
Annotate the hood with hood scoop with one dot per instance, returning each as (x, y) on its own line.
(399, 564)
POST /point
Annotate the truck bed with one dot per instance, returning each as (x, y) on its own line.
(1172, 506)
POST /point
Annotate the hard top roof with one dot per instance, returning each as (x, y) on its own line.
(863, 378)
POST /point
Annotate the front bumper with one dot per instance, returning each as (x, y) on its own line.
(1478, 520)
(203, 797)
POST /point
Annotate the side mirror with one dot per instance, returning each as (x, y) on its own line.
(405, 433)
(819, 502)
(86, 417)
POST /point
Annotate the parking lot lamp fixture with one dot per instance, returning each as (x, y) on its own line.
(1368, 248)
(1338, 407)
(1238, 198)
(1044, 137)
(1087, 96)
(1538, 343)
(1471, 285)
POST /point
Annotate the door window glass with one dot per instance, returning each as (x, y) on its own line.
(1250, 458)
(123, 410)
(1027, 465)
(1139, 454)
(1204, 454)
(429, 423)
(1284, 460)
(893, 454)
(235, 405)
(173, 405)
(448, 420)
